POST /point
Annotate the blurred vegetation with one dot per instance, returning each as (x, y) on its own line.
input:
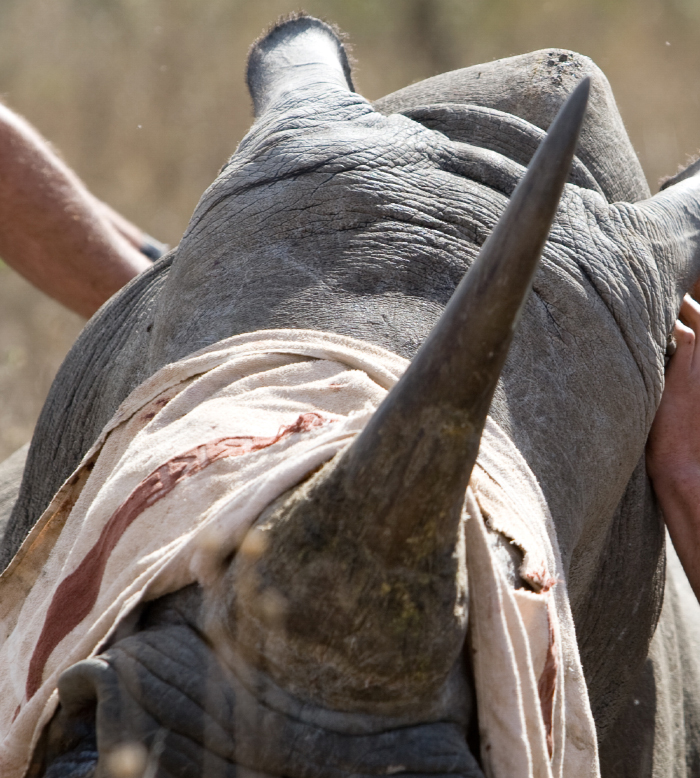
(146, 100)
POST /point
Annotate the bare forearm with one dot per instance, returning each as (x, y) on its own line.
(673, 449)
(678, 492)
(52, 231)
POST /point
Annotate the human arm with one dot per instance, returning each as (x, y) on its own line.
(673, 450)
(52, 230)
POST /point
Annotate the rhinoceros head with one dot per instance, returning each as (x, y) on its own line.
(386, 515)
(333, 216)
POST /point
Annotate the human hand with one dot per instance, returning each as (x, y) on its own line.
(674, 440)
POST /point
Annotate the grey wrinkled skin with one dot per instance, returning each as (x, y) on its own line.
(334, 214)
(10, 476)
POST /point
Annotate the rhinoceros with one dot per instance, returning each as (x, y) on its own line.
(335, 214)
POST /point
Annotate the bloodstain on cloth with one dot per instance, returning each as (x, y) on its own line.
(76, 595)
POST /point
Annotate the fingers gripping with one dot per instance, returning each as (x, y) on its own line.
(673, 441)
(685, 342)
(690, 313)
(685, 363)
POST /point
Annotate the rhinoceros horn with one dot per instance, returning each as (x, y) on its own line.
(356, 598)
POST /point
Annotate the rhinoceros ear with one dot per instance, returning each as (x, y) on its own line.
(296, 52)
(671, 219)
(366, 556)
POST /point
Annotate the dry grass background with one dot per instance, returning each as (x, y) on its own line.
(146, 100)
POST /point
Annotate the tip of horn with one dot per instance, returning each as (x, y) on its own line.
(578, 101)
(559, 145)
(550, 166)
(572, 111)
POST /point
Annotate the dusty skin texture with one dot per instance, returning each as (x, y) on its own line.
(334, 216)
